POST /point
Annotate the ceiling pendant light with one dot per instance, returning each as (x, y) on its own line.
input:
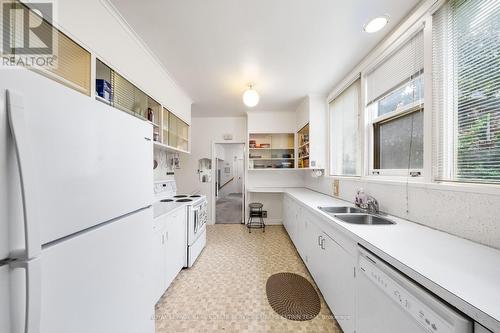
(376, 24)
(250, 96)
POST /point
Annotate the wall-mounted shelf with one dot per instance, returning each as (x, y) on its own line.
(169, 131)
(164, 147)
(287, 148)
(271, 159)
(303, 147)
(271, 151)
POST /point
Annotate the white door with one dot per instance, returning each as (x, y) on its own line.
(100, 280)
(313, 237)
(159, 261)
(175, 245)
(76, 154)
(338, 265)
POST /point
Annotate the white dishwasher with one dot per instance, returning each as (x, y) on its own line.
(388, 302)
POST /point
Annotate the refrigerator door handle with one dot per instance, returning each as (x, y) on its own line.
(17, 122)
(33, 274)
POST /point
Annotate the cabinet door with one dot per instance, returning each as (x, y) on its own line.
(301, 239)
(286, 213)
(336, 281)
(313, 251)
(159, 265)
(175, 246)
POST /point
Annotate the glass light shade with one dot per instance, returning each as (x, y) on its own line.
(250, 97)
(376, 24)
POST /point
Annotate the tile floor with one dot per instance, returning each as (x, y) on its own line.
(225, 290)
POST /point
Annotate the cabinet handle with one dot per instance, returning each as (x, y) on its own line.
(323, 243)
(319, 240)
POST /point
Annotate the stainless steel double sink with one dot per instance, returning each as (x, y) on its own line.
(355, 215)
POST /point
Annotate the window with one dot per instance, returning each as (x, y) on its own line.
(71, 66)
(344, 124)
(466, 91)
(395, 91)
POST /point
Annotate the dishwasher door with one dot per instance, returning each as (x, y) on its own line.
(388, 302)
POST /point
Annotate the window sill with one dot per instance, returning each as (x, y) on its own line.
(419, 182)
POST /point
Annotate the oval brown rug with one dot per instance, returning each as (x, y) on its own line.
(292, 296)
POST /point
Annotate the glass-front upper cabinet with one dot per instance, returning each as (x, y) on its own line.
(164, 126)
(178, 133)
(172, 130)
(183, 135)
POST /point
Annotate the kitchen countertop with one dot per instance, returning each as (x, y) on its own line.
(162, 208)
(463, 273)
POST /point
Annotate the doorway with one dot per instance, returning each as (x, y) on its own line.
(229, 182)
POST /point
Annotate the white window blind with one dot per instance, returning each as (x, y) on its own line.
(71, 66)
(127, 96)
(466, 91)
(344, 145)
(397, 68)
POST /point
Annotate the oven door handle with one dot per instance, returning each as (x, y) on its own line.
(195, 211)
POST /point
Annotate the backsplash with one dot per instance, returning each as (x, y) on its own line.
(474, 216)
(164, 167)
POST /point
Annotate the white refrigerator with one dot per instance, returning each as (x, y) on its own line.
(75, 211)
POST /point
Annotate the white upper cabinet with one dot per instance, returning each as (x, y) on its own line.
(312, 113)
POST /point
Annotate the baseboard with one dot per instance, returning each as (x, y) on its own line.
(273, 221)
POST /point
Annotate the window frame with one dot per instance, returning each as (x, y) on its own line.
(450, 174)
(421, 18)
(347, 84)
(374, 121)
(370, 172)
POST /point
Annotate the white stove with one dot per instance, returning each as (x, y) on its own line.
(196, 215)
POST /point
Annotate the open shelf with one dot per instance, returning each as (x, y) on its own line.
(271, 151)
(303, 147)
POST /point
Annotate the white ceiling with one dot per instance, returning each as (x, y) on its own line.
(288, 48)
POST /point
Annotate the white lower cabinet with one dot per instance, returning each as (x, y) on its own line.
(159, 261)
(330, 264)
(336, 280)
(169, 249)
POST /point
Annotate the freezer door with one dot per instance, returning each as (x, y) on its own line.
(100, 281)
(85, 162)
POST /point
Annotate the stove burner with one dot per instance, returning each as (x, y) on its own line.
(195, 196)
(183, 200)
(180, 196)
(167, 200)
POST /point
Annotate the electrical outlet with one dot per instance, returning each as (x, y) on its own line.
(264, 214)
(336, 187)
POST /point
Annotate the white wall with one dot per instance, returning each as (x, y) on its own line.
(205, 131)
(271, 121)
(468, 211)
(96, 26)
(472, 215)
(164, 168)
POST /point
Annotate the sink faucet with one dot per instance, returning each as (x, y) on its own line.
(365, 201)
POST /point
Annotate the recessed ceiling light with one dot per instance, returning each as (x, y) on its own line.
(376, 24)
(250, 96)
